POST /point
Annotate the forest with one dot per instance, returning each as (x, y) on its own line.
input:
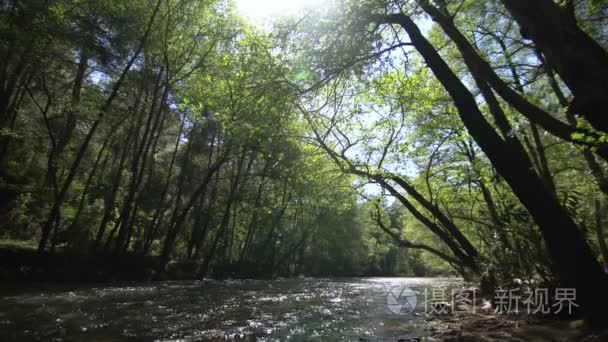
(178, 139)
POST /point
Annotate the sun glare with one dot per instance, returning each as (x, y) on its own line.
(265, 9)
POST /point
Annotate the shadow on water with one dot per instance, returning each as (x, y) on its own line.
(207, 310)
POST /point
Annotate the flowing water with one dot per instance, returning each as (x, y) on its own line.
(250, 310)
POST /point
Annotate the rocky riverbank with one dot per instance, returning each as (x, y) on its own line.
(466, 326)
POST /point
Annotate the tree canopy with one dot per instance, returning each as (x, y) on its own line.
(358, 138)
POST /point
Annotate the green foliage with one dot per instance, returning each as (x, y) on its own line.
(229, 146)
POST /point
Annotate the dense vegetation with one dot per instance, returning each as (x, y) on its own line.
(370, 137)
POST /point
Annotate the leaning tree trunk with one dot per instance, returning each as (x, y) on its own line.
(599, 231)
(52, 221)
(175, 228)
(577, 266)
(225, 218)
(580, 61)
(481, 70)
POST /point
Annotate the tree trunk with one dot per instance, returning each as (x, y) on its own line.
(58, 202)
(176, 227)
(580, 61)
(481, 70)
(208, 218)
(88, 182)
(225, 218)
(254, 215)
(137, 168)
(110, 197)
(575, 263)
(599, 230)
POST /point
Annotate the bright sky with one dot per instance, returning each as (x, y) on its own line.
(263, 12)
(266, 9)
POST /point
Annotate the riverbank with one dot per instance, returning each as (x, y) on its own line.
(22, 264)
(489, 327)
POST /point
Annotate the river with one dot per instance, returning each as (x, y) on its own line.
(299, 309)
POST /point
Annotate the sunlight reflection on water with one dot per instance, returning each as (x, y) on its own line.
(284, 309)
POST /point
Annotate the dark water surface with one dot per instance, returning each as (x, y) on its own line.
(252, 310)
